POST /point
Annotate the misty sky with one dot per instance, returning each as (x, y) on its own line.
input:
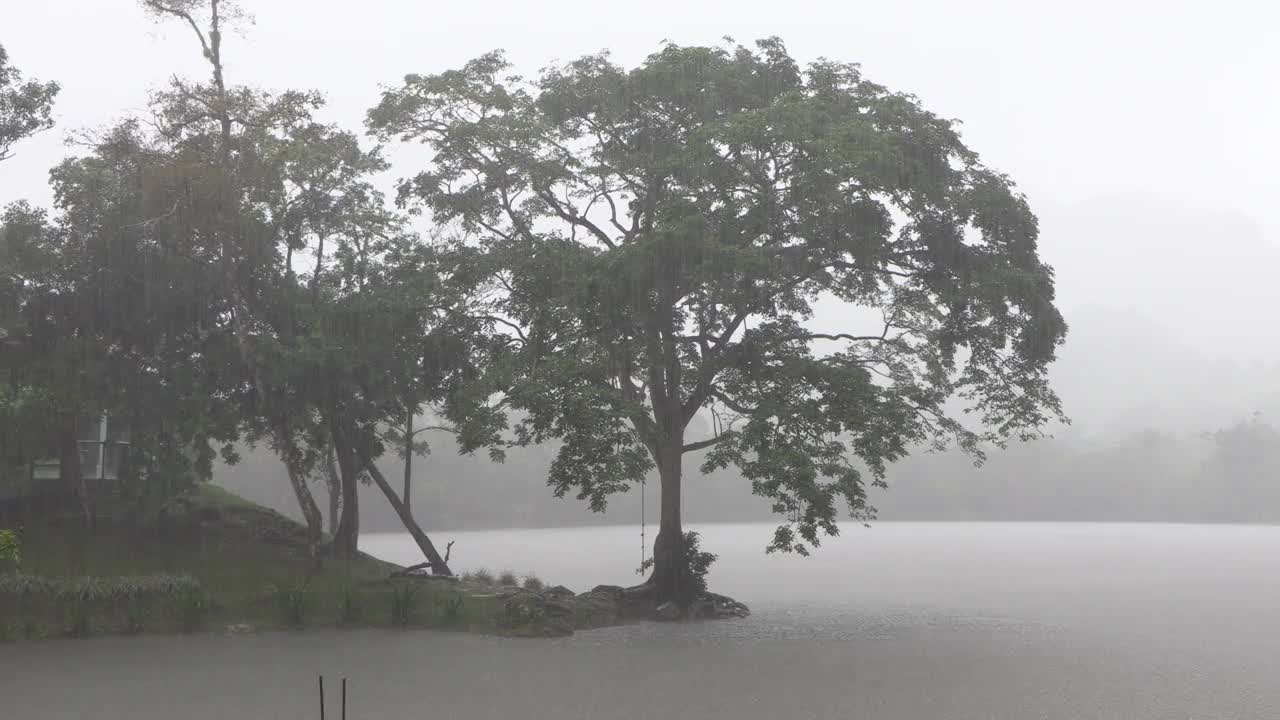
(1144, 133)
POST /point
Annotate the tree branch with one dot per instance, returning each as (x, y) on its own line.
(575, 219)
(182, 14)
(702, 444)
(508, 323)
(730, 403)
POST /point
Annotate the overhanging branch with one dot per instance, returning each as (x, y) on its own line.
(703, 444)
(573, 218)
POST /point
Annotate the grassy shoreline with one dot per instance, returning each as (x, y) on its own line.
(215, 562)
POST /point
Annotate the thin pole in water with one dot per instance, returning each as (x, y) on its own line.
(344, 699)
(321, 697)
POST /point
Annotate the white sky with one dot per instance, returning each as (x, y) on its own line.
(1078, 101)
(1071, 98)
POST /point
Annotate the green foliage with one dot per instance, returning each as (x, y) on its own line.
(697, 563)
(692, 570)
(292, 602)
(191, 608)
(451, 608)
(25, 108)
(78, 607)
(350, 606)
(136, 616)
(479, 577)
(78, 623)
(403, 603)
(658, 236)
(98, 590)
(10, 550)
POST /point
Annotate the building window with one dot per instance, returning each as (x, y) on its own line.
(103, 445)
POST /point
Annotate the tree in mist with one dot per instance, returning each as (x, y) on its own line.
(114, 315)
(657, 238)
(26, 108)
(343, 320)
(1242, 474)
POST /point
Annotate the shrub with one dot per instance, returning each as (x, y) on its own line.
(402, 600)
(75, 606)
(507, 578)
(531, 582)
(291, 603)
(697, 563)
(694, 569)
(451, 608)
(135, 618)
(350, 609)
(479, 577)
(78, 623)
(10, 550)
(191, 608)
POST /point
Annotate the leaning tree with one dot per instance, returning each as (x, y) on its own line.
(660, 236)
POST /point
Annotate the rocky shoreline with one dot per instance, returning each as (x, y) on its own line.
(558, 612)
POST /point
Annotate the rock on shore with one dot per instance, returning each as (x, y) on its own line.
(557, 611)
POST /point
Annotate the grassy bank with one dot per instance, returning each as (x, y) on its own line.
(214, 562)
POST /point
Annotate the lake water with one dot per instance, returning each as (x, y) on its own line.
(903, 620)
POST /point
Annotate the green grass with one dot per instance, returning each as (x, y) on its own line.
(254, 567)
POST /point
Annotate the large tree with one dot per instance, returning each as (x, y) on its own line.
(26, 108)
(273, 174)
(343, 319)
(116, 312)
(660, 236)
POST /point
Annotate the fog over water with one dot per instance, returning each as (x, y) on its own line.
(906, 620)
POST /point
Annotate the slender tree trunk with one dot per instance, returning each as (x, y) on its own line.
(335, 489)
(293, 466)
(307, 502)
(347, 536)
(438, 564)
(408, 456)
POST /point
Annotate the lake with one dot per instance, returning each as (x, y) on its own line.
(902, 620)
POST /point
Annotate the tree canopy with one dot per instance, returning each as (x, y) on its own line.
(26, 108)
(659, 237)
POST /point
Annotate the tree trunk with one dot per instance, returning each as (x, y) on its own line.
(667, 581)
(438, 564)
(347, 536)
(335, 489)
(408, 456)
(307, 502)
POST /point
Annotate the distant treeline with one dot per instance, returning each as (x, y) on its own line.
(1232, 475)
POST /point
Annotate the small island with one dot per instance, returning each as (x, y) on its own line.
(210, 561)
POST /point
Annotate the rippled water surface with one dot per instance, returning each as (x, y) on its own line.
(903, 620)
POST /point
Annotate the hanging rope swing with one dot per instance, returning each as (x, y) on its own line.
(643, 546)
